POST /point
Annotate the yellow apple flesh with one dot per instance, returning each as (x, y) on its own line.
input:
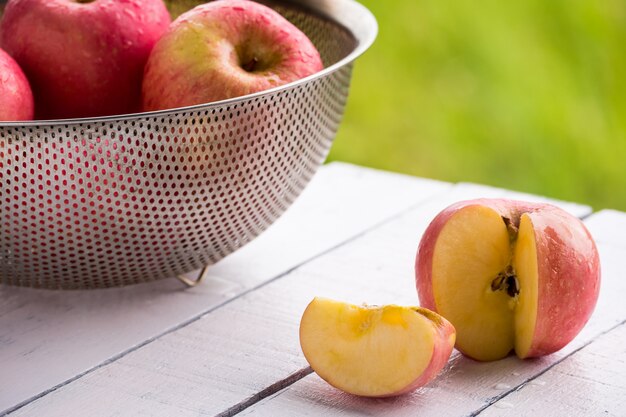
(510, 276)
(374, 351)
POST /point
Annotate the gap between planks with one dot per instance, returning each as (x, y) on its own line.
(267, 392)
(272, 389)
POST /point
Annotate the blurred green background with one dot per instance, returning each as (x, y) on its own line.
(527, 95)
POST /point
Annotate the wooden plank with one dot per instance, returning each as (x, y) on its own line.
(50, 337)
(466, 386)
(342, 201)
(232, 354)
(576, 209)
(590, 382)
(606, 225)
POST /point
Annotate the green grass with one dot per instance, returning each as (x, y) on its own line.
(525, 95)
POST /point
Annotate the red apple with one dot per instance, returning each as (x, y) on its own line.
(83, 58)
(16, 98)
(509, 275)
(225, 49)
(374, 351)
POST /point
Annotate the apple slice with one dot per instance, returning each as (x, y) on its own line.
(374, 351)
(509, 276)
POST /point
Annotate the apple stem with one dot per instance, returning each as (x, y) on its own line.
(511, 228)
(250, 65)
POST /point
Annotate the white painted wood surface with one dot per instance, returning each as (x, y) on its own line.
(590, 383)
(50, 337)
(230, 355)
(608, 227)
(466, 387)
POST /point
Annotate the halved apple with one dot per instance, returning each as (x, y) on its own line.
(509, 275)
(374, 351)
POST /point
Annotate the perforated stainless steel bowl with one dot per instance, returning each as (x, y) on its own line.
(120, 200)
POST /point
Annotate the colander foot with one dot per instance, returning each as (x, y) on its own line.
(190, 282)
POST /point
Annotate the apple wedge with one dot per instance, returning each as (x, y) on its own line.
(374, 351)
(509, 275)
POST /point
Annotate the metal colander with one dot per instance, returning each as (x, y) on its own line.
(112, 201)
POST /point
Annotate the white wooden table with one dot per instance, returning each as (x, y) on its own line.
(230, 346)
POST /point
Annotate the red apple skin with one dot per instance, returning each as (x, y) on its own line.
(16, 97)
(201, 57)
(83, 59)
(568, 267)
(444, 343)
(568, 257)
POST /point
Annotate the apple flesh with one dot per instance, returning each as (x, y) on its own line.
(374, 351)
(225, 49)
(509, 275)
(16, 97)
(83, 58)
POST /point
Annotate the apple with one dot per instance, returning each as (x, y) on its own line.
(83, 57)
(374, 351)
(509, 275)
(16, 97)
(225, 49)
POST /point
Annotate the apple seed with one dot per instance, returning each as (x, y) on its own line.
(506, 281)
(512, 285)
